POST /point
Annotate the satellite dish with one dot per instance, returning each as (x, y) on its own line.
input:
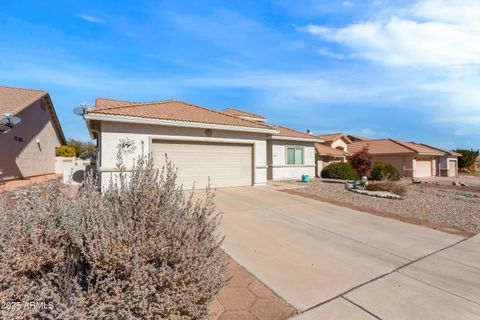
(80, 111)
(7, 122)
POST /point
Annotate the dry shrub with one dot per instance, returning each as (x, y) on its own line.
(393, 187)
(142, 250)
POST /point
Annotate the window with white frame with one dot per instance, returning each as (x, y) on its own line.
(294, 155)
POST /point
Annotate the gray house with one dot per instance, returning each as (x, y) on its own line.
(29, 148)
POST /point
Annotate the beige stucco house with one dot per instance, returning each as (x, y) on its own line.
(29, 148)
(229, 148)
(411, 159)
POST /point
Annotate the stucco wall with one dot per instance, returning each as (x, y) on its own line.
(27, 158)
(339, 143)
(113, 132)
(278, 169)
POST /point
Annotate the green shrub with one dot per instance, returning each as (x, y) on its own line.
(468, 157)
(141, 250)
(393, 187)
(382, 171)
(66, 151)
(339, 170)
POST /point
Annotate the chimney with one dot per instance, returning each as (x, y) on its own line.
(309, 132)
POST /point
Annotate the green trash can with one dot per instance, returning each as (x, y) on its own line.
(305, 178)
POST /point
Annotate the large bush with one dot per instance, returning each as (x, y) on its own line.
(468, 157)
(361, 161)
(143, 250)
(382, 171)
(339, 170)
(65, 151)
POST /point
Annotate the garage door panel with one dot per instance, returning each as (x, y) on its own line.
(226, 165)
(452, 168)
(424, 167)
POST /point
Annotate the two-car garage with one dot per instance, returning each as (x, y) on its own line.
(224, 164)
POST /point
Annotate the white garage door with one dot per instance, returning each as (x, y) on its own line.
(424, 167)
(227, 165)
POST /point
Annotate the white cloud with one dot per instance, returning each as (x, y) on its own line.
(90, 18)
(434, 33)
(327, 52)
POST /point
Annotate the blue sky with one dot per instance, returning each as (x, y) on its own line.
(403, 69)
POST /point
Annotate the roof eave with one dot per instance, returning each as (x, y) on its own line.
(294, 139)
(174, 123)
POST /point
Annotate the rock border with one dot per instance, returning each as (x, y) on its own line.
(378, 194)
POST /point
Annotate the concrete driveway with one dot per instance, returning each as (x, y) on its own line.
(331, 262)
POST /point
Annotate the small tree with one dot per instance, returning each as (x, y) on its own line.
(468, 157)
(361, 161)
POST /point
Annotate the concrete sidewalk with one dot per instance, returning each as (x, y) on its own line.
(333, 262)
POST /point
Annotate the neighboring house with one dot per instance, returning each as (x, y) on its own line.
(29, 148)
(203, 144)
(290, 154)
(477, 163)
(411, 159)
(334, 148)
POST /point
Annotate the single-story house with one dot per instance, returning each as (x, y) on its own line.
(29, 148)
(477, 163)
(205, 145)
(410, 158)
(334, 148)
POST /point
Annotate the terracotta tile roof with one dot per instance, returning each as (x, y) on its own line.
(333, 137)
(291, 133)
(240, 113)
(380, 146)
(392, 146)
(421, 148)
(322, 149)
(358, 138)
(171, 110)
(13, 100)
(104, 102)
(448, 152)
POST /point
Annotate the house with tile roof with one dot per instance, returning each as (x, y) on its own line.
(411, 159)
(28, 149)
(224, 148)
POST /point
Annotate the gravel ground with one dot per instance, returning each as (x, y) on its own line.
(440, 206)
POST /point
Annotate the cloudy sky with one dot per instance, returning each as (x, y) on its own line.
(403, 69)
